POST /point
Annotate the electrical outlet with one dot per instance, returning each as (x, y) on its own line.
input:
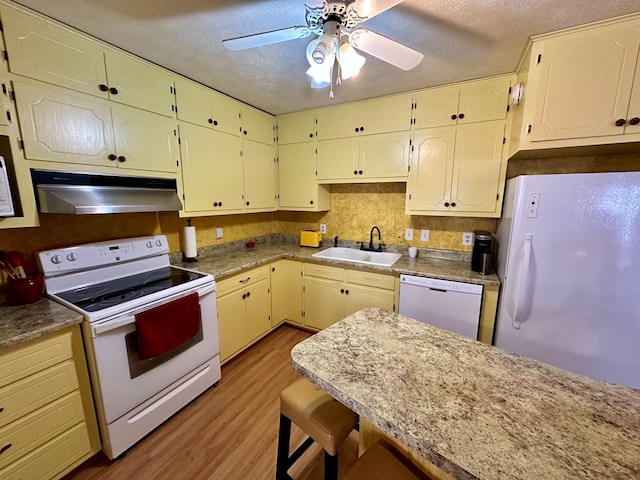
(219, 232)
(408, 233)
(467, 238)
(323, 228)
(424, 235)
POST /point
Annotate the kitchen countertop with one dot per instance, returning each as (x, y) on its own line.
(22, 323)
(475, 411)
(223, 262)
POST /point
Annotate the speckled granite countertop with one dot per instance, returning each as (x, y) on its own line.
(21, 323)
(223, 262)
(474, 410)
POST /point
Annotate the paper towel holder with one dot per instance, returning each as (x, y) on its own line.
(187, 246)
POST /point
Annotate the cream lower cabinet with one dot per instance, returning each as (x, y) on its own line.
(458, 171)
(286, 292)
(66, 127)
(298, 187)
(47, 422)
(331, 293)
(373, 158)
(244, 310)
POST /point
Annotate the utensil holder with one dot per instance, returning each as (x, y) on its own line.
(25, 290)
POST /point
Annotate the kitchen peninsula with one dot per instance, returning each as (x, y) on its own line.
(473, 410)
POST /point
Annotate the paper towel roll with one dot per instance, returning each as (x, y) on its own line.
(189, 246)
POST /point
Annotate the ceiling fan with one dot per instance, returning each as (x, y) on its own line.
(336, 25)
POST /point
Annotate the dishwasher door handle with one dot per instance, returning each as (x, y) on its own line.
(438, 290)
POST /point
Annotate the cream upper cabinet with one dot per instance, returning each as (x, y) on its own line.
(298, 186)
(368, 158)
(259, 176)
(296, 127)
(47, 51)
(458, 171)
(212, 171)
(585, 84)
(478, 101)
(286, 292)
(66, 127)
(133, 82)
(145, 141)
(257, 126)
(370, 117)
(204, 107)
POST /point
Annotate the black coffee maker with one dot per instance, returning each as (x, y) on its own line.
(482, 256)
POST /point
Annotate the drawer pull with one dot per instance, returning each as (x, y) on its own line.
(5, 448)
(245, 280)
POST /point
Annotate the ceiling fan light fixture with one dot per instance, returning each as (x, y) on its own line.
(320, 75)
(322, 50)
(350, 61)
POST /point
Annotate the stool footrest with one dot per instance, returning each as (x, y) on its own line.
(304, 446)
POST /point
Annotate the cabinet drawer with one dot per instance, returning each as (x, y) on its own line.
(322, 271)
(37, 428)
(370, 279)
(31, 393)
(52, 458)
(242, 280)
(30, 359)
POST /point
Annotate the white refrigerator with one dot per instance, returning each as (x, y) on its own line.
(569, 263)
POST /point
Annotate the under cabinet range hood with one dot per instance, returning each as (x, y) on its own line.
(90, 193)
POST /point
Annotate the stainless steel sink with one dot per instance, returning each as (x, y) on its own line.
(383, 259)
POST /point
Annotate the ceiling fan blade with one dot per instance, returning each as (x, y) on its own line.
(385, 49)
(266, 38)
(370, 8)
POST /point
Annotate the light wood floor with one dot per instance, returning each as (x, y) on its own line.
(228, 433)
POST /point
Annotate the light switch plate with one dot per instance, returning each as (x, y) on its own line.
(408, 233)
(219, 232)
(467, 238)
(424, 235)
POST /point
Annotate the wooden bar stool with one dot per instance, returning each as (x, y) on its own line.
(316, 413)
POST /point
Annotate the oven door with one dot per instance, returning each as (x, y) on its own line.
(123, 381)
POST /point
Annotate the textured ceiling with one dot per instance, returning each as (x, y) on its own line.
(460, 39)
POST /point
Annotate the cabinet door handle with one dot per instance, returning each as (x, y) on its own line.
(111, 157)
(346, 292)
(5, 448)
(215, 204)
(103, 88)
(620, 122)
(210, 120)
(359, 172)
(446, 204)
(453, 204)
(122, 159)
(342, 290)
(273, 269)
(355, 172)
(311, 135)
(634, 121)
(454, 116)
(244, 296)
(113, 91)
(461, 116)
(248, 204)
(310, 202)
(248, 294)
(244, 131)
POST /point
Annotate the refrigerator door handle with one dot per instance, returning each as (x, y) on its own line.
(523, 284)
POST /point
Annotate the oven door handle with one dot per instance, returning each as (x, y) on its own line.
(128, 319)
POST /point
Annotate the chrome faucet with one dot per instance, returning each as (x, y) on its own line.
(379, 249)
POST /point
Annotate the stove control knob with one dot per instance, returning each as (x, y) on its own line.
(159, 243)
(72, 257)
(149, 244)
(56, 259)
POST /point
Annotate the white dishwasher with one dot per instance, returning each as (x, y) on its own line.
(453, 306)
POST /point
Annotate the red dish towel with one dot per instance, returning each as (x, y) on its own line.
(168, 326)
